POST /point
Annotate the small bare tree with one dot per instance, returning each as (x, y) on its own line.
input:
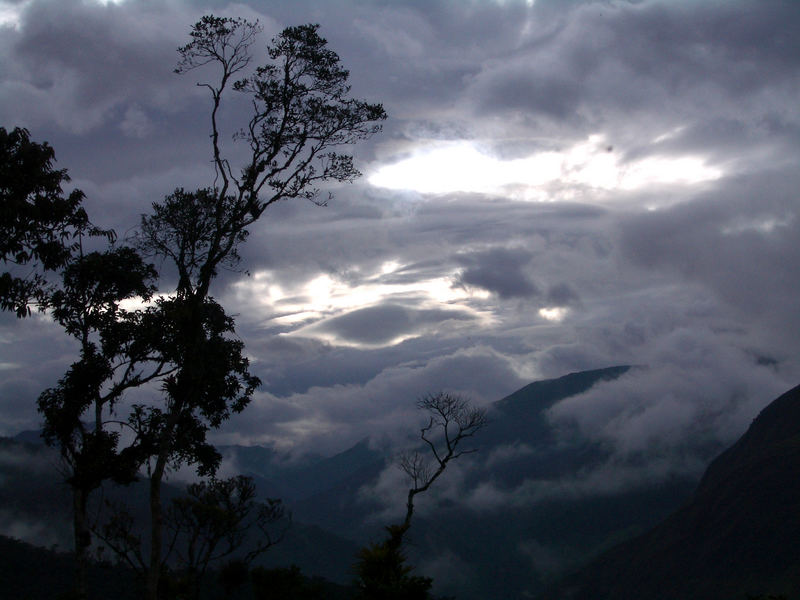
(451, 420)
(381, 567)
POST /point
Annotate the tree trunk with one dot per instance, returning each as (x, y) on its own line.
(156, 527)
(82, 541)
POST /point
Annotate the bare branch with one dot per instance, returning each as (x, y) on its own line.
(451, 420)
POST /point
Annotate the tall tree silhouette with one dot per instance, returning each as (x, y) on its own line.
(116, 354)
(301, 113)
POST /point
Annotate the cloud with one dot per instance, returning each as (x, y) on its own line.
(384, 324)
(31, 531)
(498, 270)
(330, 419)
(738, 241)
(353, 311)
(697, 398)
(562, 294)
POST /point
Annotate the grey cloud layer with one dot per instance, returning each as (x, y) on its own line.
(703, 290)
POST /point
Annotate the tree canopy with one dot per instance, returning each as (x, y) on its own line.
(296, 135)
(39, 225)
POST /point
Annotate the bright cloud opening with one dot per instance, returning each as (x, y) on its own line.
(462, 167)
(11, 12)
(325, 297)
(556, 313)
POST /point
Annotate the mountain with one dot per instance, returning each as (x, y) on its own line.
(298, 480)
(527, 532)
(737, 536)
(501, 523)
(23, 576)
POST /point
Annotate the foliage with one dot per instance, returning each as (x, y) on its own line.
(214, 521)
(383, 574)
(185, 229)
(286, 582)
(112, 360)
(112, 350)
(39, 225)
(208, 381)
(301, 114)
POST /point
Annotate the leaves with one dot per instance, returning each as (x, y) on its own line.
(40, 226)
(383, 573)
(112, 359)
(301, 111)
(208, 382)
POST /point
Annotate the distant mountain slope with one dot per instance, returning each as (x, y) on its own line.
(738, 535)
(509, 523)
(31, 573)
(518, 419)
(531, 400)
(476, 550)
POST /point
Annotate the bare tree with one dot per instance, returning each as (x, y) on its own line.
(216, 520)
(381, 568)
(451, 420)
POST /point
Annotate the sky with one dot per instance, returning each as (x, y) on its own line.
(559, 186)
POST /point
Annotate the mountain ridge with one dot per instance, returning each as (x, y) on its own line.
(337, 507)
(737, 535)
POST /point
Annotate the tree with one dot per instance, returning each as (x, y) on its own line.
(114, 357)
(301, 113)
(451, 420)
(208, 381)
(383, 574)
(215, 519)
(381, 568)
(39, 225)
(287, 582)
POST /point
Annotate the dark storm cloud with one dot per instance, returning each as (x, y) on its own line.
(696, 289)
(739, 241)
(498, 270)
(562, 294)
(382, 324)
(682, 62)
(82, 64)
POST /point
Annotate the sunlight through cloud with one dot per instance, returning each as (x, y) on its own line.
(556, 313)
(463, 167)
(11, 13)
(324, 297)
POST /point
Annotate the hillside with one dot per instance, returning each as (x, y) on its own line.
(507, 544)
(737, 536)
